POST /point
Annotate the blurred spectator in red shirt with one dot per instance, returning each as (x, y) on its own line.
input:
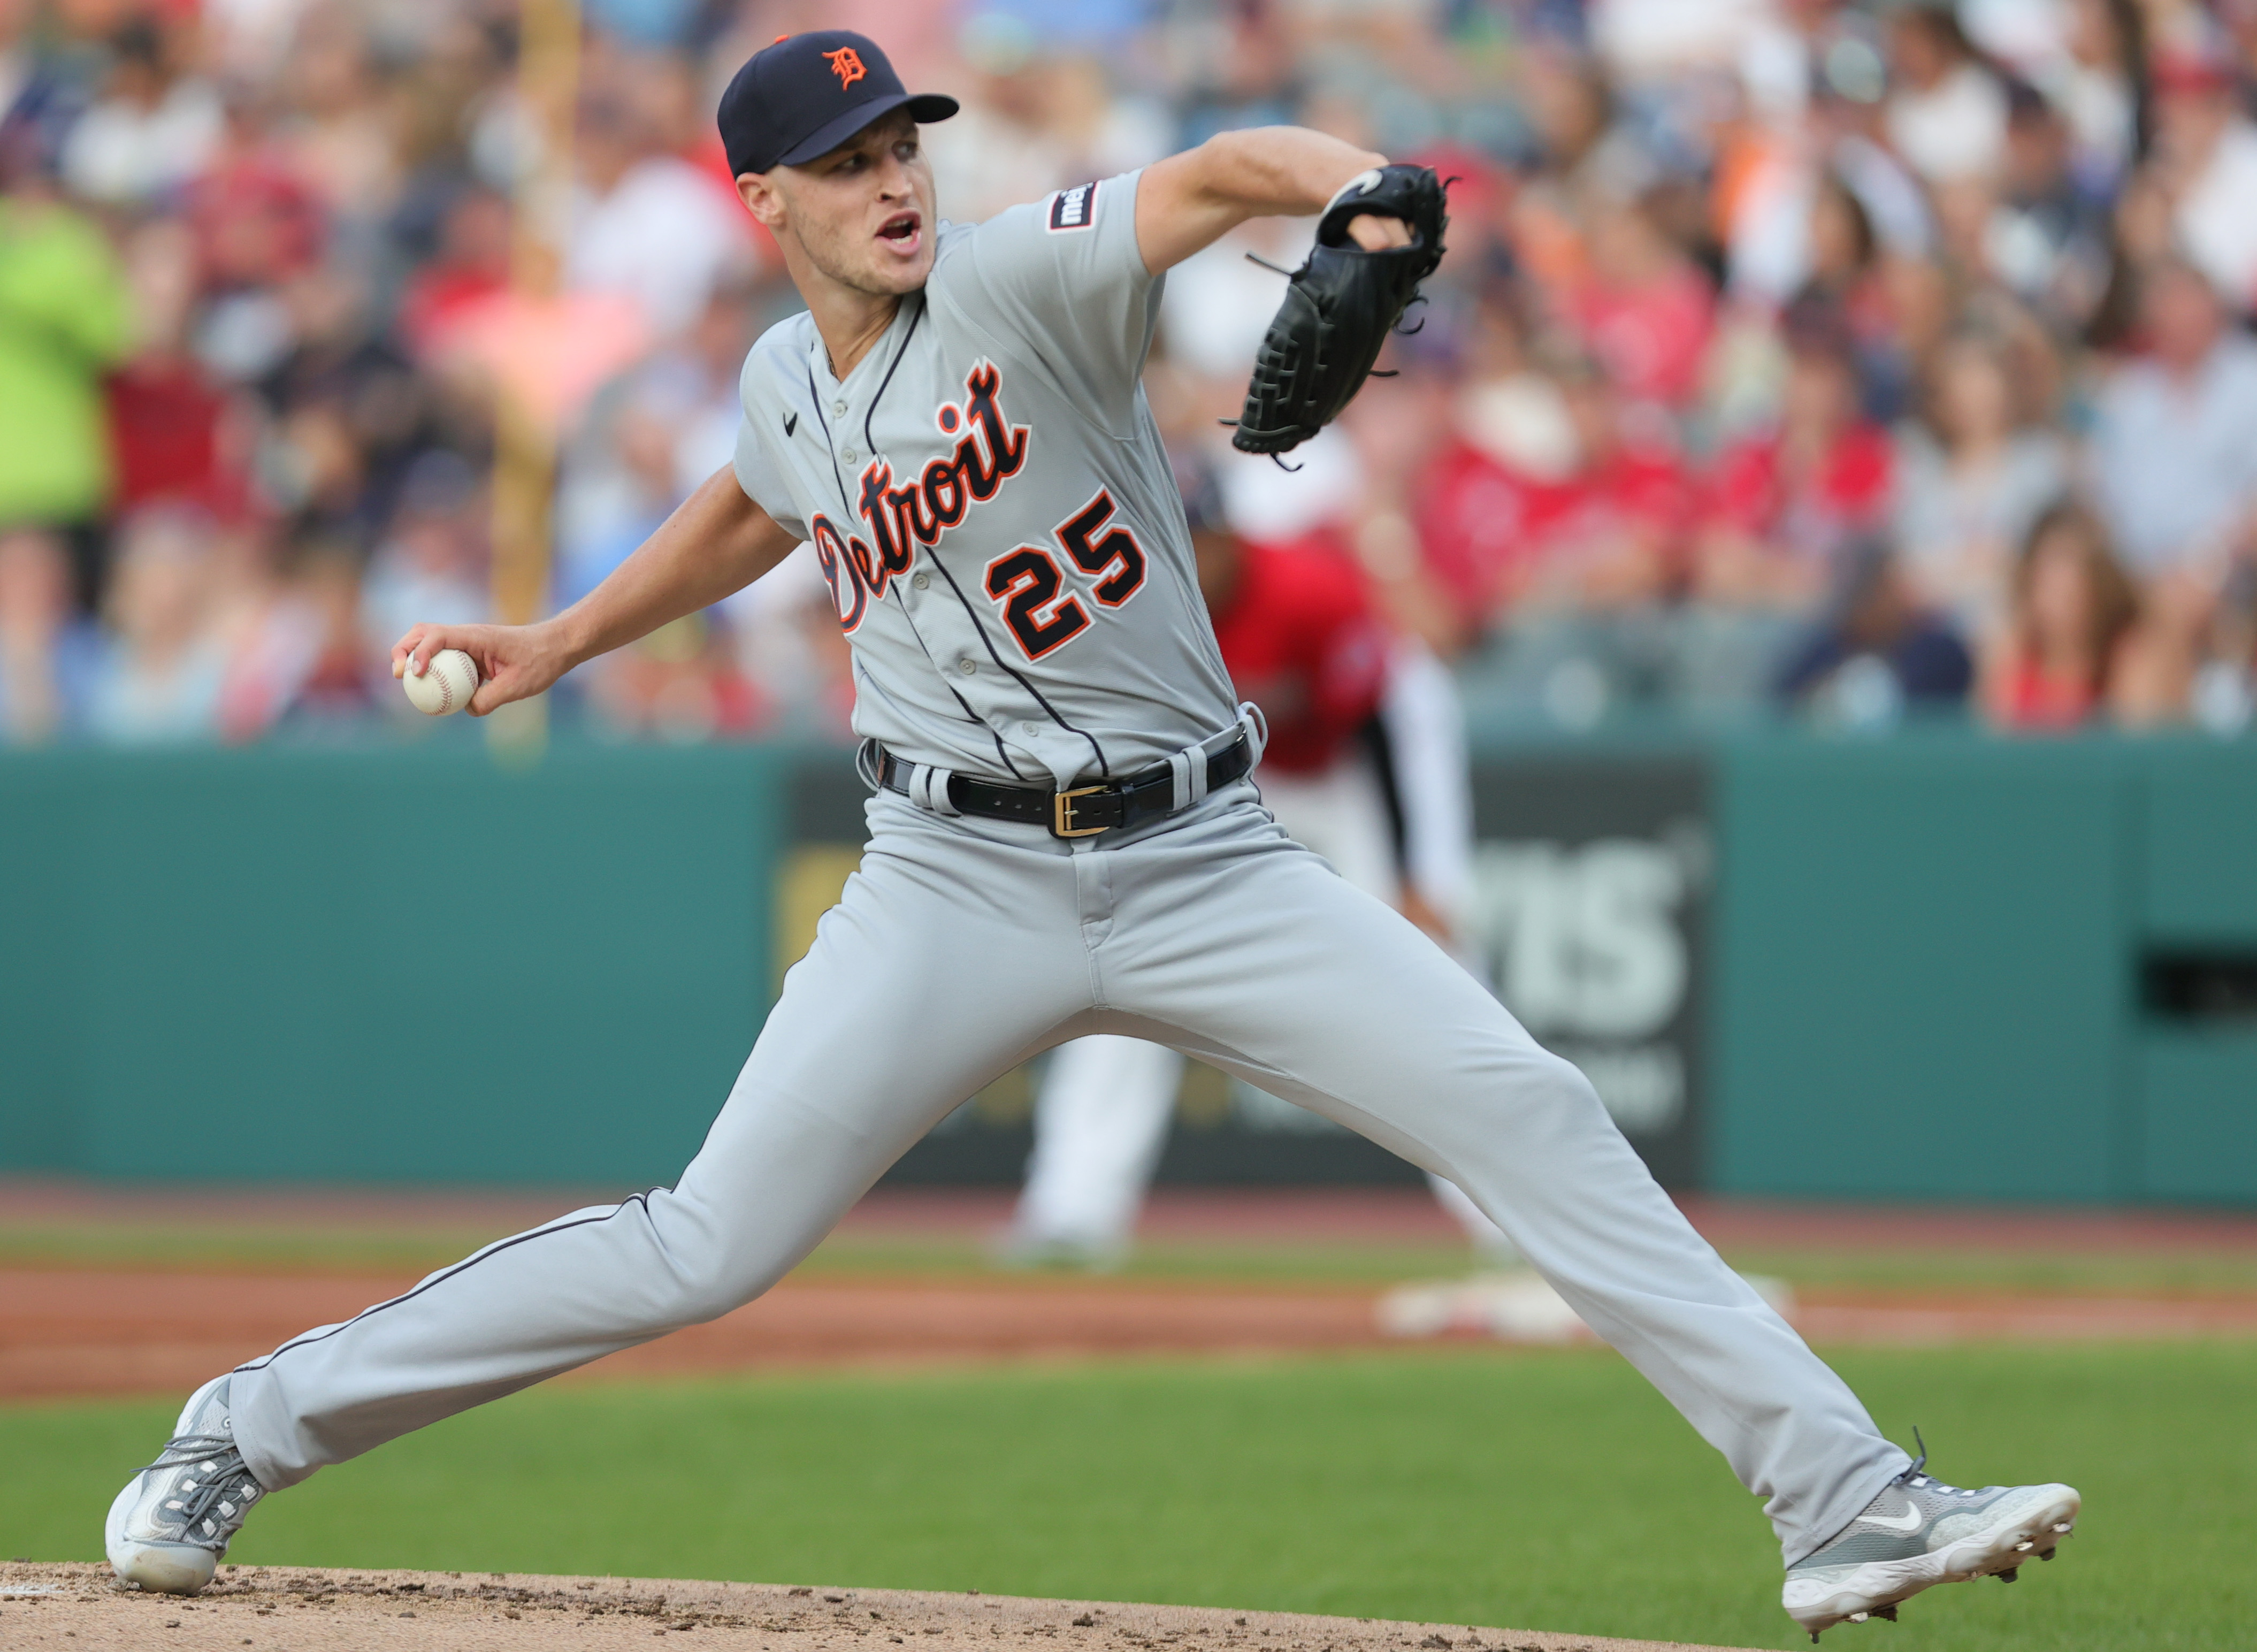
(1481, 506)
(178, 433)
(471, 266)
(1614, 536)
(1300, 636)
(1784, 503)
(255, 219)
(1645, 312)
(2055, 662)
(1548, 492)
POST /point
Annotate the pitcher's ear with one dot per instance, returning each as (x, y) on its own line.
(759, 194)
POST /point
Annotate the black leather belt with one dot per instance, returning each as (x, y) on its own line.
(1085, 810)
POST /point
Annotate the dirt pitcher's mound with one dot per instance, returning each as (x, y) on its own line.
(276, 1609)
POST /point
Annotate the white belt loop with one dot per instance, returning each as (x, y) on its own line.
(870, 763)
(929, 788)
(1258, 731)
(1187, 769)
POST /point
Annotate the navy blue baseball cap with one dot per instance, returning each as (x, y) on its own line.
(807, 94)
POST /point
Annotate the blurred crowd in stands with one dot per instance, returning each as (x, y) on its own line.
(1856, 360)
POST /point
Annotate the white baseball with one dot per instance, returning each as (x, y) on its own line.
(446, 685)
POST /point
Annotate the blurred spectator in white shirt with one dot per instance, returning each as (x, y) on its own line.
(1972, 477)
(162, 678)
(154, 127)
(2092, 85)
(649, 223)
(1947, 113)
(1219, 302)
(2207, 159)
(2172, 442)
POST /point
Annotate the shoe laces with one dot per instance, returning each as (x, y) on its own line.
(1914, 1478)
(228, 1484)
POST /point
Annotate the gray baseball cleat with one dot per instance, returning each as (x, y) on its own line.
(169, 1526)
(1918, 1532)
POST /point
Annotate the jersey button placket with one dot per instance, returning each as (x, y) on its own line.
(920, 581)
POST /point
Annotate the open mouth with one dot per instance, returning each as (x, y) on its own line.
(902, 227)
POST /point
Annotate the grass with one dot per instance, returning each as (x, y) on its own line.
(405, 1247)
(1544, 1491)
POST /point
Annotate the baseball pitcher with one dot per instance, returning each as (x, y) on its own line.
(1063, 838)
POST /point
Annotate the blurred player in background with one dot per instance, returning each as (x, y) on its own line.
(1366, 765)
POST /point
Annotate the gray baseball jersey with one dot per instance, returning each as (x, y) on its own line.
(991, 507)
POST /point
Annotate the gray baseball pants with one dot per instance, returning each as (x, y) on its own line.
(962, 947)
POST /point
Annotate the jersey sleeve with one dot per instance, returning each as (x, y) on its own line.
(758, 470)
(1063, 277)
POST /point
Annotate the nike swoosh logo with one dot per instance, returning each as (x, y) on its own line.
(791, 422)
(1908, 1522)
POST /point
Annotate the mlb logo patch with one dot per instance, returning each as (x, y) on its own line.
(1073, 208)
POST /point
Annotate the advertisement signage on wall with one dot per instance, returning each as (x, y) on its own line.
(1590, 885)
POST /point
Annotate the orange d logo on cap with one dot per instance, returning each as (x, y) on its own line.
(847, 64)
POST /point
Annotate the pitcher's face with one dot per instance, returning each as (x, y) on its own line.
(863, 214)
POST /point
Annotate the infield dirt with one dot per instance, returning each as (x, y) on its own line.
(285, 1609)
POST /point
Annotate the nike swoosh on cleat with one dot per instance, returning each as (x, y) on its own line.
(1909, 1522)
(791, 422)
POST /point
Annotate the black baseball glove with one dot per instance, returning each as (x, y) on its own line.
(1341, 305)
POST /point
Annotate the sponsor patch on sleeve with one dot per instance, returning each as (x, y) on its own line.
(1074, 209)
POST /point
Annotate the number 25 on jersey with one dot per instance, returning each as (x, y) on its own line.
(1041, 613)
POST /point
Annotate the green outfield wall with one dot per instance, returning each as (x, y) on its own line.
(1935, 966)
(391, 965)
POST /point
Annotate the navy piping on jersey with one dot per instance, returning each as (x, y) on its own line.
(970, 716)
(815, 397)
(264, 1360)
(1003, 665)
(869, 441)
